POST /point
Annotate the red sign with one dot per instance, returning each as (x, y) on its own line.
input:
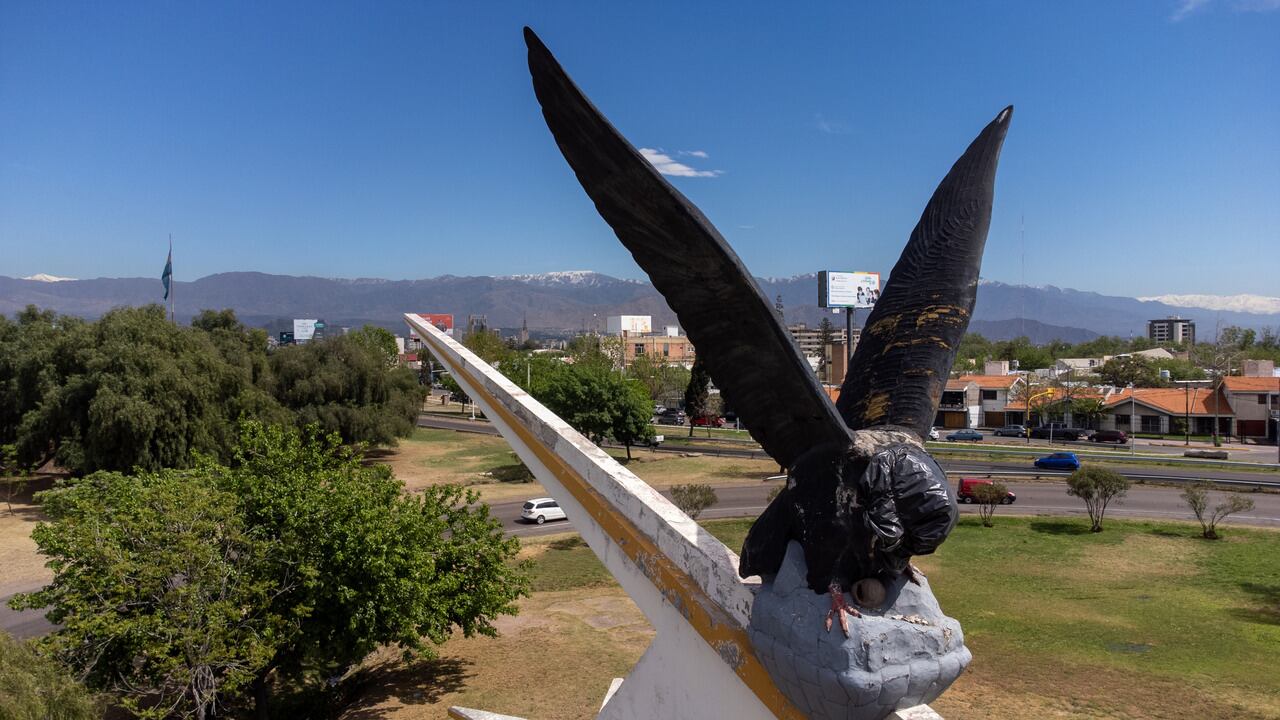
(443, 323)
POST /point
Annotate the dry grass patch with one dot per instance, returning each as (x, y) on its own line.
(21, 566)
(438, 457)
(1137, 559)
(555, 660)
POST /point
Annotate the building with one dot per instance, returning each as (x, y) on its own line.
(1254, 403)
(1165, 411)
(672, 349)
(1173, 329)
(831, 360)
(981, 401)
(1076, 366)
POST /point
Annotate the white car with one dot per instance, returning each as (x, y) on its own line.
(540, 510)
(933, 434)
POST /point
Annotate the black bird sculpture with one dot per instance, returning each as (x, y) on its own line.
(862, 495)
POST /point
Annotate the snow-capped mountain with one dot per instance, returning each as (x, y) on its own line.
(42, 277)
(1259, 304)
(586, 278)
(581, 299)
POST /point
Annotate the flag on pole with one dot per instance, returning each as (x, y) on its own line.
(166, 276)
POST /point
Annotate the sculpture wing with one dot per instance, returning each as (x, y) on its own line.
(735, 330)
(909, 341)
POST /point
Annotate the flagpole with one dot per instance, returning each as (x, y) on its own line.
(173, 284)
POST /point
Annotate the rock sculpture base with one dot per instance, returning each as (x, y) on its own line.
(898, 656)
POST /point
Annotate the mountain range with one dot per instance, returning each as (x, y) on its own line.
(557, 303)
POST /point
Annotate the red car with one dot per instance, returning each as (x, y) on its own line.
(708, 421)
(966, 491)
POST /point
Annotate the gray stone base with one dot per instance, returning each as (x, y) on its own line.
(897, 657)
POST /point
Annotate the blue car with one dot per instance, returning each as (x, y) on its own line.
(1059, 461)
(970, 435)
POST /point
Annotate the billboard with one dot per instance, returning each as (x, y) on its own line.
(304, 330)
(443, 323)
(630, 324)
(848, 289)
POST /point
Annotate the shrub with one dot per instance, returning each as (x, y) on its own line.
(1097, 487)
(693, 499)
(989, 495)
(1197, 498)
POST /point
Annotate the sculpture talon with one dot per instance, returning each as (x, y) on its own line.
(839, 607)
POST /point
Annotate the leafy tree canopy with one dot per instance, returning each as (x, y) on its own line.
(191, 589)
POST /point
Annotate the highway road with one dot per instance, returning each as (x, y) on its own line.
(1034, 498)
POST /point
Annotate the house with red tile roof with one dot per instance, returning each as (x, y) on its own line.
(1168, 410)
(1253, 399)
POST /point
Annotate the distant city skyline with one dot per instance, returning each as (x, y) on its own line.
(403, 141)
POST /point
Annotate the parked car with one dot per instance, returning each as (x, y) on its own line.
(966, 491)
(670, 416)
(708, 421)
(933, 434)
(1011, 431)
(1058, 431)
(968, 435)
(540, 510)
(1059, 461)
(1115, 436)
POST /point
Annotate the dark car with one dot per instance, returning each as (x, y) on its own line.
(1115, 436)
(1059, 461)
(708, 421)
(670, 416)
(969, 435)
(966, 491)
(1011, 431)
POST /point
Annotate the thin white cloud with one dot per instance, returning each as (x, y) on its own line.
(1185, 8)
(830, 127)
(1189, 7)
(668, 166)
(695, 153)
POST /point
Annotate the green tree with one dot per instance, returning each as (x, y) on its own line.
(696, 393)
(1196, 496)
(632, 413)
(664, 381)
(214, 585)
(344, 385)
(35, 687)
(973, 353)
(380, 341)
(1029, 356)
(1132, 370)
(134, 390)
(488, 345)
(692, 499)
(1087, 411)
(158, 589)
(1097, 487)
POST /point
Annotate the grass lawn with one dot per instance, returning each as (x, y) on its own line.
(487, 463)
(1143, 620)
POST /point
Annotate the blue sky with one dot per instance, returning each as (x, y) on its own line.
(403, 140)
